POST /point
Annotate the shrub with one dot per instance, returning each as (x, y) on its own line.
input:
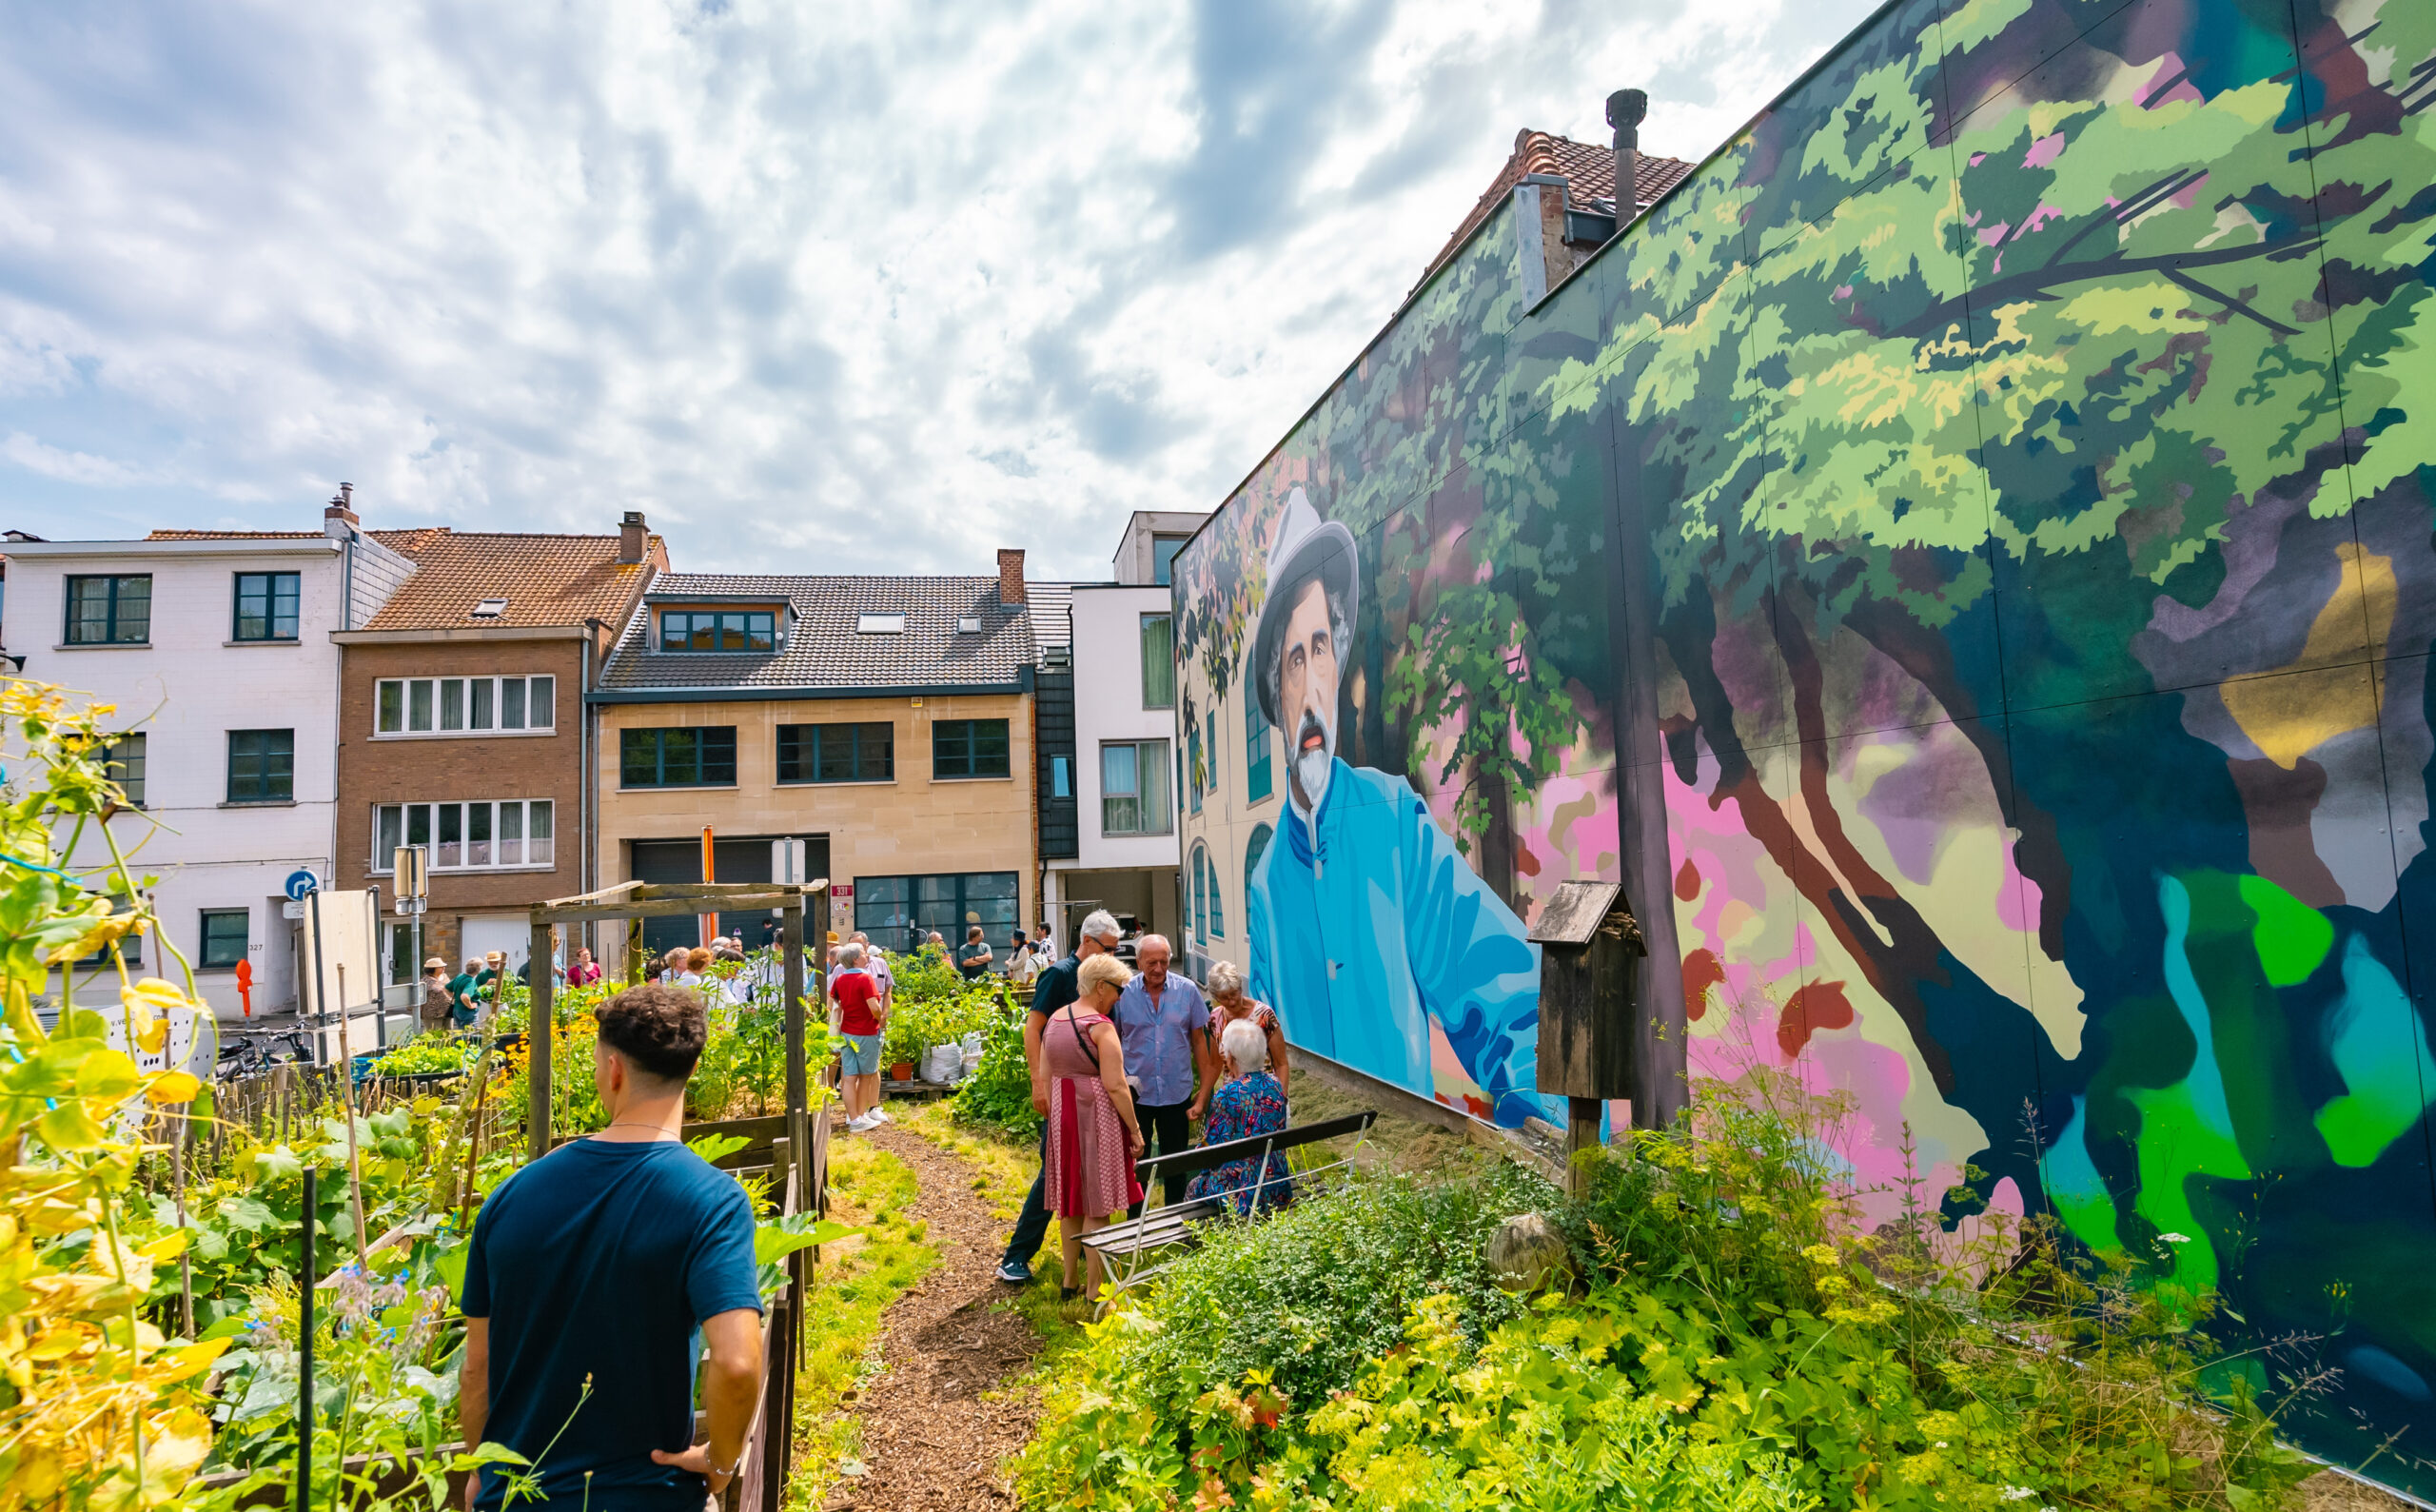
(998, 1095)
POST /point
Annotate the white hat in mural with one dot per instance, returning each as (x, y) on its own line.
(1306, 547)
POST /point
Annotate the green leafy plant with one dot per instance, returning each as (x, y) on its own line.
(998, 1095)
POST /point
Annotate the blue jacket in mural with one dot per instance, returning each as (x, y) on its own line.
(1363, 931)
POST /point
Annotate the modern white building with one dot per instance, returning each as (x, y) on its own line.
(214, 648)
(1124, 753)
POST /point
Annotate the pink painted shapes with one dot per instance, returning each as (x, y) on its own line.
(2045, 150)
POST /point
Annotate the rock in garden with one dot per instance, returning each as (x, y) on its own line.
(1528, 1254)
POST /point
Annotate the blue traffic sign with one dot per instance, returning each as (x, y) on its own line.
(303, 884)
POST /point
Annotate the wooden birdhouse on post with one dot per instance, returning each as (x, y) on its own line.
(1593, 1047)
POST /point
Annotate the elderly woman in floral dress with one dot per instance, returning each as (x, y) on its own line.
(1093, 1135)
(1230, 1003)
(1248, 1103)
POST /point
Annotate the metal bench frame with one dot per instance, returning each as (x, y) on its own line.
(1127, 1248)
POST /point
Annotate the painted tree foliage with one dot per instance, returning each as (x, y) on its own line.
(1965, 558)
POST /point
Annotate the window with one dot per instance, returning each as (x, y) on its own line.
(1256, 747)
(967, 624)
(490, 609)
(1217, 903)
(1134, 789)
(1209, 752)
(123, 758)
(465, 705)
(719, 630)
(899, 913)
(700, 756)
(1163, 558)
(837, 752)
(1194, 769)
(969, 748)
(879, 624)
(1200, 892)
(1158, 661)
(1061, 778)
(482, 836)
(1253, 850)
(109, 611)
(226, 935)
(266, 606)
(261, 766)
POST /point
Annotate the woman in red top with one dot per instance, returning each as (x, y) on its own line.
(861, 1019)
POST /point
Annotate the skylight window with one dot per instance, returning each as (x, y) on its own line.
(490, 609)
(967, 624)
(879, 624)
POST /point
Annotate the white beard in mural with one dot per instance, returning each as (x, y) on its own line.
(1314, 757)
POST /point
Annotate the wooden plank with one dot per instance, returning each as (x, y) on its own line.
(537, 1034)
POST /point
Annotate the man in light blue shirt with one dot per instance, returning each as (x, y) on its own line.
(1164, 1021)
(1366, 923)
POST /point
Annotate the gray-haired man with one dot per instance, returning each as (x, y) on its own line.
(1057, 987)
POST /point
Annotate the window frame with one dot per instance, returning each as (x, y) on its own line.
(485, 697)
(263, 757)
(270, 597)
(533, 819)
(972, 754)
(111, 636)
(1260, 781)
(1167, 620)
(660, 734)
(1162, 566)
(1148, 755)
(811, 746)
(907, 892)
(115, 757)
(762, 623)
(204, 961)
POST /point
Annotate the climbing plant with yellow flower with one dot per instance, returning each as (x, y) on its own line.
(97, 1410)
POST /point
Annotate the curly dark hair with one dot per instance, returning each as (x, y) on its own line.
(660, 1030)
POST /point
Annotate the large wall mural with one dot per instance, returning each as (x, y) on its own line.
(1964, 562)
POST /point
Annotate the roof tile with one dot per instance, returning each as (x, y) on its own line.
(546, 580)
(1587, 167)
(823, 649)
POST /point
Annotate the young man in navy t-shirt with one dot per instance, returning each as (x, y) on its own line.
(612, 1263)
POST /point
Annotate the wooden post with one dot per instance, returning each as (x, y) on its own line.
(1581, 1133)
(347, 1105)
(791, 949)
(537, 1038)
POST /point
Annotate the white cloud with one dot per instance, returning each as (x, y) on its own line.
(857, 288)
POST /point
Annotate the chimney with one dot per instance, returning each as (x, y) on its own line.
(632, 537)
(338, 520)
(1011, 575)
(1625, 109)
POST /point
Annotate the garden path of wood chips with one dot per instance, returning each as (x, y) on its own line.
(930, 1442)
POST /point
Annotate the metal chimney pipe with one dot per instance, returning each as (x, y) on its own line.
(1625, 109)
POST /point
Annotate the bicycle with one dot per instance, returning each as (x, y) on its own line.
(244, 1054)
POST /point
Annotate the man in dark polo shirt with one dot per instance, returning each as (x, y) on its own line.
(610, 1264)
(1057, 987)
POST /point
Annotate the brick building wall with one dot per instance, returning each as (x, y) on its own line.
(375, 769)
(911, 826)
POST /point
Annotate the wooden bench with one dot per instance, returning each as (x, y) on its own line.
(1127, 1248)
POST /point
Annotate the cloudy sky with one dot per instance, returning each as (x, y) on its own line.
(854, 287)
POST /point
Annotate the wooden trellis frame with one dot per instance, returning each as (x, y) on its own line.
(797, 1158)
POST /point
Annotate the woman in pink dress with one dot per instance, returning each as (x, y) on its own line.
(1092, 1136)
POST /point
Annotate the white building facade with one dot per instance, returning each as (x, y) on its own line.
(1127, 766)
(215, 651)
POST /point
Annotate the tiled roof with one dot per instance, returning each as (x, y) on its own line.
(232, 535)
(1052, 615)
(546, 580)
(1588, 170)
(823, 649)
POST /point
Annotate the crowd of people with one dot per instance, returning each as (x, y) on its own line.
(1121, 1059)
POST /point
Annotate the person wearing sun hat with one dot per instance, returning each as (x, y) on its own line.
(1366, 923)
